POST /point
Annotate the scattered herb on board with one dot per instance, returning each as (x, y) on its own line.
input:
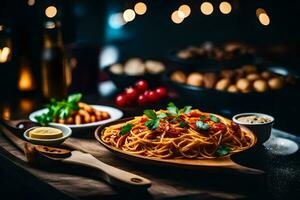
(61, 109)
(201, 125)
(214, 119)
(126, 129)
(223, 150)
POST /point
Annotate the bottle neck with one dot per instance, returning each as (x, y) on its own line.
(53, 38)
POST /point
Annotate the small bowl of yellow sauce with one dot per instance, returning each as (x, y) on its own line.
(48, 135)
(261, 124)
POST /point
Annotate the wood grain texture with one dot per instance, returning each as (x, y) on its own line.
(86, 184)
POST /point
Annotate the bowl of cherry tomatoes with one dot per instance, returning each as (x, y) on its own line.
(140, 94)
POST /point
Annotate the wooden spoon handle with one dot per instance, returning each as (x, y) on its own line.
(112, 175)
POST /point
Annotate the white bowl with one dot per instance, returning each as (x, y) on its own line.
(261, 130)
(114, 113)
(281, 146)
(67, 132)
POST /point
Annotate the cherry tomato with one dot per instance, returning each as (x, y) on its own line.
(146, 93)
(121, 100)
(131, 93)
(161, 92)
(142, 100)
(152, 96)
(218, 127)
(142, 85)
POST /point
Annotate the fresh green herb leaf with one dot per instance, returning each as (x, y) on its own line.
(150, 114)
(162, 115)
(152, 124)
(126, 129)
(74, 98)
(182, 124)
(59, 109)
(172, 109)
(223, 150)
(186, 109)
(201, 125)
(202, 118)
(214, 118)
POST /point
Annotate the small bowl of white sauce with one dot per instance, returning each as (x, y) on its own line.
(261, 124)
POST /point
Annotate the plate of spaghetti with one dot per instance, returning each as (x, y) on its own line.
(184, 136)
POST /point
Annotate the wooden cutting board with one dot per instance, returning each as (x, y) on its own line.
(217, 164)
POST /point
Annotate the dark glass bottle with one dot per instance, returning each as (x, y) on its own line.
(55, 73)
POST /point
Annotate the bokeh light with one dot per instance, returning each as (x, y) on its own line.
(30, 2)
(206, 8)
(177, 17)
(140, 8)
(129, 15)
(264, 19)
(225, 7)
(116, 20)
(51, 11)
(185, 9)
(260, 11)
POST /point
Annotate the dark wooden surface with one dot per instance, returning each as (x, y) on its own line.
(20, 181)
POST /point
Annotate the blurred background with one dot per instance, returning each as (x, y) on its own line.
(94, 34)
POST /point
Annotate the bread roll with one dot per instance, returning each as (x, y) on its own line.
(275, 83)
(253, 77)
(233, 89)
(266, 75)
(134, 66)
(260, 85)
(243, 84)
(223, 84)
(178, 76)
(117, 69)
(195, 79)
(210, 80)
(154, 67)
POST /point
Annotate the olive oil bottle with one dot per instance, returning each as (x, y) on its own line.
(55, 69)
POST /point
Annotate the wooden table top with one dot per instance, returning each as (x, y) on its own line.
(70, 182)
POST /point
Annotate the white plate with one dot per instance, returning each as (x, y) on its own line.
(67, 132)
(114, 113)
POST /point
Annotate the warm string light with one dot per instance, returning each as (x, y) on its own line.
(51, 11)
(30, 2)
(262, 16)
(140, 8)
(177, 17)
(4, 54)
(206, 8)
(128, 15)
(225, 7)
(185, 9)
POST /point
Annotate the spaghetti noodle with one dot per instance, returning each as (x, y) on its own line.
(193, 135)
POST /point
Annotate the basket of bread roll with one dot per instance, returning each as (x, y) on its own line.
(246, 83)
(128, 72)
